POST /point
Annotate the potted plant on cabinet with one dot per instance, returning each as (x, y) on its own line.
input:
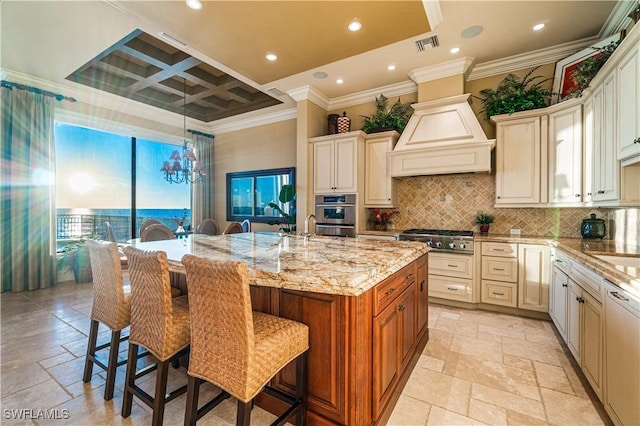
(385, 118)
(288, 222)
(484, 220)
(513, 95)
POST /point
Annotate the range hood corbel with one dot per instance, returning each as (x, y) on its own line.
(442, 137)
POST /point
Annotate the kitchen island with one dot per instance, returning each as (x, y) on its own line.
(365, 302)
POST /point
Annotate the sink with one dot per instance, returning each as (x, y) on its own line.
(628, 262)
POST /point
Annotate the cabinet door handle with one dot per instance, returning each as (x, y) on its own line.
(601, 192)
(497, 249)
(619, 296)
(498, 294)
(391, 291)
(564, 285)
(422, 285)
(452, 266)
(452, 288)
(588, 193)
(498, 269)
(577, 195)
(401, 308)
(409, 277)
(559, 261)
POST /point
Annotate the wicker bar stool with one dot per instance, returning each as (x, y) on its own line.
(111, 306)
(236, 349)
(159, 323)
(233, 228)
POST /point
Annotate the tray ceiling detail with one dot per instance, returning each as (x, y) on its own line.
(148, 70)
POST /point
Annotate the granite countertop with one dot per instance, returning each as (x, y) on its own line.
(583, 251)
(333, 265)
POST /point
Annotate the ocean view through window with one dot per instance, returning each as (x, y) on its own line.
(94, 184)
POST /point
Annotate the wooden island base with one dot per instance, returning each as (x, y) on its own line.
(362, 349)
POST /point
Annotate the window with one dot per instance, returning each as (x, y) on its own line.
(94, 184)
(249, 194)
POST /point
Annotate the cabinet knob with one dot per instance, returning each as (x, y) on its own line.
(564, 285)
(588, 193)
(401, 308)
(601, 192)
(498, 197)
(577, 195)
(391, 291)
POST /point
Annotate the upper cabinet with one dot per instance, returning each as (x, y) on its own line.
(521, 147)
(379, 186)
(565, 156)
(337, 160)
(628, 97)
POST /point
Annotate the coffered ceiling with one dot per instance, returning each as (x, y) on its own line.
(220, 50)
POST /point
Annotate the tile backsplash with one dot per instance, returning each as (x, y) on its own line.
(452, 202)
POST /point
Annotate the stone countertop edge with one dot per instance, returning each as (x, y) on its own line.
(627, 278)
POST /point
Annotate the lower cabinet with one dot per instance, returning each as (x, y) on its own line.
(622, 355)
(394, 335)
(450, 276)
(533, 277)
(558, 300)
(423, 295)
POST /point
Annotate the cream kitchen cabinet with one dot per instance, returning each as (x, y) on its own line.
(379, 186)
(622, 356)
(337, 160)
(628, 104)
(451, 276)
(534, 264)
(521, 159)
(565, 155)
(558, 299)
(499, 268)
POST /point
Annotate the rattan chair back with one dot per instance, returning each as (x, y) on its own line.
(157, 232)
(110, 306)
(246, 225)
(233, 228)
(209, 227)
(148, 223)
(151, 303)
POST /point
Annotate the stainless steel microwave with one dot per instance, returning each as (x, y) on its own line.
(336, 209)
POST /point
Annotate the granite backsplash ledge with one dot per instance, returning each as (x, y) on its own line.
(452, 202)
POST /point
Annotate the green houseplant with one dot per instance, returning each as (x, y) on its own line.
(513, 95)
(484, 220)
(387, 118)
(288, 222)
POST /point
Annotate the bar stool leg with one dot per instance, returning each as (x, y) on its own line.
(161, 389)
(91, 351)
(301, 388)
(193, 392)
(132, 361)
(244, 414)
(114, 347)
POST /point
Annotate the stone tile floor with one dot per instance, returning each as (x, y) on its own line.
(478, 368)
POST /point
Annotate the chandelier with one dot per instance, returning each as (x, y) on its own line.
(185, 168)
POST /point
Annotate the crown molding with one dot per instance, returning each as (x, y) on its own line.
(259, 120)
(529, 59)
(442, 70)
(309, 93)
(433, 11)
(618, 19)
(359, 98)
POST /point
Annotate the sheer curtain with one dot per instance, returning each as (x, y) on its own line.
(202, 195)
(27, 214)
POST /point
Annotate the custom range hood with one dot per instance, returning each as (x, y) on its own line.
(443, 136)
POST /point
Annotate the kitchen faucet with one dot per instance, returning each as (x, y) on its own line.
(306, 225)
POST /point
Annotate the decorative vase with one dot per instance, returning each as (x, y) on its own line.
(379, 227)
(344, 123)
(332, 124)
(484, 228)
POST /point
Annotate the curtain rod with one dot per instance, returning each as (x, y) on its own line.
(196, 132)
(9, 85)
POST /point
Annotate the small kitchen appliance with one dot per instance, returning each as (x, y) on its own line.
(593, 228)
(443, 240)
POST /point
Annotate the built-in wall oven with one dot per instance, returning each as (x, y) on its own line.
(336, 215)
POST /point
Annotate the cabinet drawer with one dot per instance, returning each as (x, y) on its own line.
(450, 288)
(500, 269)
(589, 281)
(392, 287)
(563, 262)
(451, 265)
(498, 293)
(500, 249)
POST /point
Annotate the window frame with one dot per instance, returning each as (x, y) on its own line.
(254, 174)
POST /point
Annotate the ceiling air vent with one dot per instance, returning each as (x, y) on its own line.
(427, 43)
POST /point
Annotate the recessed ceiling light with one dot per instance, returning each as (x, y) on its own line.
(454, 50)
(194, 4)
(319, 75)
(472, 31)
(391, 67)
(354, 25)
(538, 27)
(271, 56)
(339, 81)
